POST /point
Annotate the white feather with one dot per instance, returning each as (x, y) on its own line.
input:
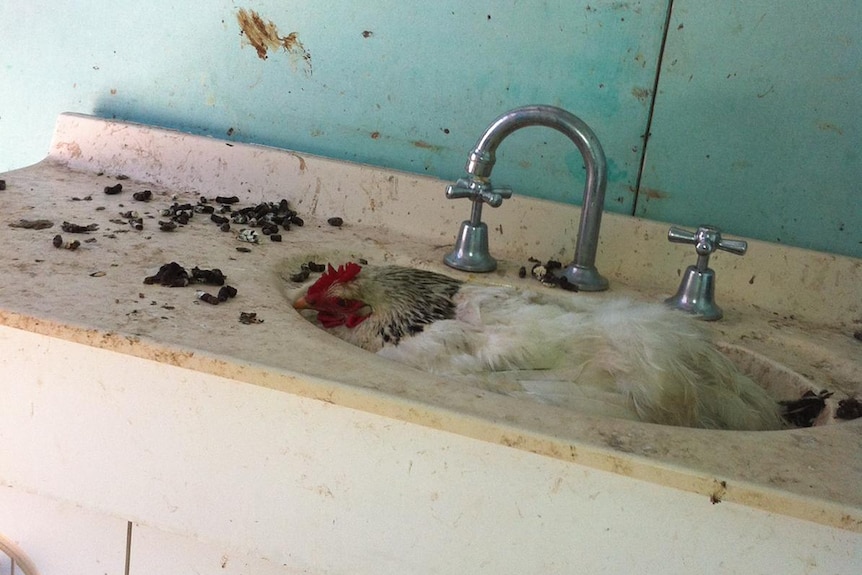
(617, 357)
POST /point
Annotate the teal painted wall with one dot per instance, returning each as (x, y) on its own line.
(411, 85)
(758, 122)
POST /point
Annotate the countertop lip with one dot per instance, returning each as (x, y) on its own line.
(545, 437)
(715, 487)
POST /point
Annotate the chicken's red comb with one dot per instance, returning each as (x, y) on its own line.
(344, 273)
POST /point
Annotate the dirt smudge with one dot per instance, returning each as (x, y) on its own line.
(641, 94)
(425, 145)
(653, 194)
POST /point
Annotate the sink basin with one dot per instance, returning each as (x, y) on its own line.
(781, 383)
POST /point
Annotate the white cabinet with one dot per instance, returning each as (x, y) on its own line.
(216, 473)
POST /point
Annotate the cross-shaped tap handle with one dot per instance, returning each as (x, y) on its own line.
(706, 240)
(478, 191)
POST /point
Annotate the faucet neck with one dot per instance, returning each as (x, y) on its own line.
(481, 160)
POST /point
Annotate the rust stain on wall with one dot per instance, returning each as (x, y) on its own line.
(263, 36)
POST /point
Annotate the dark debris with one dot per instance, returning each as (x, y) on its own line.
(306, 269)
(226, 292)
(544, 273)
(301, 275)
(32, 224)
(850, 408)
(211, 277)
(804, 411)
(79, 229)
(249, 318)
(170, 275)
(59, 243)
(208, 298)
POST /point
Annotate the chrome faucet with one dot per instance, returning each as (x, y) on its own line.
(696, 293)
(471, 248)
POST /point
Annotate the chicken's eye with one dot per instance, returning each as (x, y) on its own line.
(341, 302)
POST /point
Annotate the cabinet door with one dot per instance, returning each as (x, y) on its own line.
(59, 538)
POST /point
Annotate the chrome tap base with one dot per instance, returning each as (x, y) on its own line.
(584, 278)
(696, 294)
(471, 249)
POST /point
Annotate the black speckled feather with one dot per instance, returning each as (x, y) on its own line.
(382, 305)
(415, 299)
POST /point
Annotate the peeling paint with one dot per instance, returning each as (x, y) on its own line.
(263, 36)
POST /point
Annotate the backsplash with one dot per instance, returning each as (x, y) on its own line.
(754, 127)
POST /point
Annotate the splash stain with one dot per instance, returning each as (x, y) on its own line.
(830, 127)
(72, 148)
(263, 36)
(641, 94)
(653, 194)
(718, 493)
(301, 161)
(425, 145)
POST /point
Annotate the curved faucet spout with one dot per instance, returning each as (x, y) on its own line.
(581, 272)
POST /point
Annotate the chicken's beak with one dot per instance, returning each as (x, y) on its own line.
(301, 303)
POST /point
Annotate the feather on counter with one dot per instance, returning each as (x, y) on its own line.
(614, 357)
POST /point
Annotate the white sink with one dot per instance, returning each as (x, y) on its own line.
(789, 318)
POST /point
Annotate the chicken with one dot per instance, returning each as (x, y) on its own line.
(613, 357)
